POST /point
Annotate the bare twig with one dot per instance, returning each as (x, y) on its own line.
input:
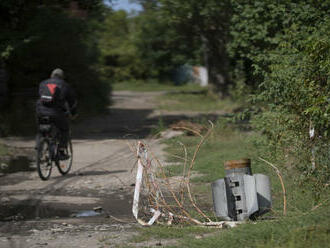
(176, 156)
(189, 173)
(281, 180)
(183, 172)
(173, 206)
(173, 194)
(185, 159)
(119, 220)
(188, 129)
(319, 205)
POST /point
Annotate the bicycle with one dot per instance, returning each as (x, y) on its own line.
(47, 149)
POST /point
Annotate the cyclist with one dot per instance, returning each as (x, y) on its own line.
(58, 101)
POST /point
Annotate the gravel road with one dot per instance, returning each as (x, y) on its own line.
(90, 207)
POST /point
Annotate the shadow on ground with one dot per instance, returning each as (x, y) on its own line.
(131, 124)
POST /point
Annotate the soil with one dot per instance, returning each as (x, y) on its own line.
(91, 206)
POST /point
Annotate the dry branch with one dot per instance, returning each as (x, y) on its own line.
(165, 197)
(281, 180)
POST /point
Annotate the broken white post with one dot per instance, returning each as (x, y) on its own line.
(311, 137)
(138, 183)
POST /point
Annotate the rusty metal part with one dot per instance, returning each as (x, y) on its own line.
(236, 164)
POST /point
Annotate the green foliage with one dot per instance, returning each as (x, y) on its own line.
(15, 19)
(300, 231)
(154, 85)
(297, 92)
(204, 24)
(257, 28)
(199, 99)
(144, 46)
(119, 60)
(280, 50)
(155, 45)
(38, 38)
(302, 226)
(3, 150)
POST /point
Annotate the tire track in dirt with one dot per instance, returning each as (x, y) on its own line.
(101, 176)
(102, 162)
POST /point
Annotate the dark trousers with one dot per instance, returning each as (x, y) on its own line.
(60, 120)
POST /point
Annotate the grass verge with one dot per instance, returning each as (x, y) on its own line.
(3, 150)
(196, 101)
(306, 222)
(305, 225)
(154, 85)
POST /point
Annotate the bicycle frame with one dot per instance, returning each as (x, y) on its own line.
(48, 141)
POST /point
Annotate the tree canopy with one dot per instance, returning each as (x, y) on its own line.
(37, 37)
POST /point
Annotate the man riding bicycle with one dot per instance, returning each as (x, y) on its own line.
(57, 101)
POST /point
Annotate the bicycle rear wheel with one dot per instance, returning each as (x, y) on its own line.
(44, 159)
(64, 166)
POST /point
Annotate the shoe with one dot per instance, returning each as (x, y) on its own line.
(62, 155)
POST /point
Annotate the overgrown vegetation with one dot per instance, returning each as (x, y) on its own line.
(284, 55)
(272, 56)
(3, 150)
(307, 218)
(198, 100)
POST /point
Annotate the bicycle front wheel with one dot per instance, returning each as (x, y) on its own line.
(64, 166)
(44, 159)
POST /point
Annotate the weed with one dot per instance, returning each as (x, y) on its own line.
(3, 150)
(195, 101)
(301, 226)
(170, 232)
(306, 222)
(154, 85)
(159, 127)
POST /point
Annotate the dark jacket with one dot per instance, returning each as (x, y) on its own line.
(67, 99)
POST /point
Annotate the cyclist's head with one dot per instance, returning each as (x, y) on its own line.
(57, 73)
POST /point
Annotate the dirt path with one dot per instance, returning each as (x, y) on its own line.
(37, 213)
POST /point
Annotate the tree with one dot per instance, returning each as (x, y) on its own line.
(38, 38)
(206, 21)
(119, 60)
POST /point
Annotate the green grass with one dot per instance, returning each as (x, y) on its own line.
(154, 85)
(169, 232)
(196, 101)
(3, 150)
(310, 230)
(301, 227)
(186, 97)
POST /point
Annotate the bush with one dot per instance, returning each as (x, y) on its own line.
(297, 93)
(54, 40)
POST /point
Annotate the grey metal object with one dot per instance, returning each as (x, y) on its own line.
(263, 193)
(241, 195)
(251, 200)
(222, 206)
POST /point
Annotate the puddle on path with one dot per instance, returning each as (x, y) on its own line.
(87, 213)
(29, 212)
(117, 205)
(21, 163)
(25, 211)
